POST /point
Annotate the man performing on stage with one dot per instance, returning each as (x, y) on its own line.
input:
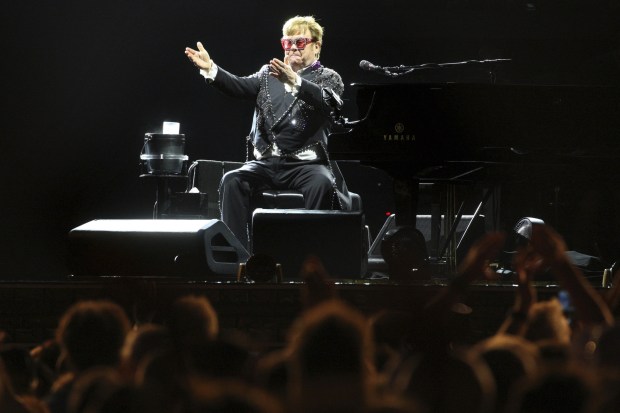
(296, 99)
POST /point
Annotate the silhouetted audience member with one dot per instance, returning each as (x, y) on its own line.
(331, 360)
(193, 325)
(20, 369)
(103, 390)
(91, 334)
(566, 390)
(12, 403)
(435, 333)
(525, 297)
(546, 321)
(511, 359)
(317, 285)
(606, 359)
(272, 373)
(392, 334)
(554, 354)
(229, 396)
(227, 356)
(48, 366)
(140, 343)
(192, 321)
(608, 349)
(161, 377)
(451, 384)
(547, 250)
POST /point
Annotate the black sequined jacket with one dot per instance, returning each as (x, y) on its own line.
(291, 122)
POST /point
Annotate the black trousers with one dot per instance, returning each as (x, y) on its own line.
(313, 179)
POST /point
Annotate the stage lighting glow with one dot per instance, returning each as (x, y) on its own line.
(145, 225)
(171, 128)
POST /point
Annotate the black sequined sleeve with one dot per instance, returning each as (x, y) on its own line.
(243, 87)
(311, 90)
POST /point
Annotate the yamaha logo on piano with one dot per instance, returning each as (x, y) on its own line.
(399, 136)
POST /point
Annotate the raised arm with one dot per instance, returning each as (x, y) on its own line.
(590, 306)
(475, 266)
(242, 87)
(516, 320)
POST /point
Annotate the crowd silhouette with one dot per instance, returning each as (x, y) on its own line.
(337, 359)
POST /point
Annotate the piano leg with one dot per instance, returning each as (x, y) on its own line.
(436, 209)
(448, 206)
(452, 218)
(406, 200)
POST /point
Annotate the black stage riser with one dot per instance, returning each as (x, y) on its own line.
(337, 238)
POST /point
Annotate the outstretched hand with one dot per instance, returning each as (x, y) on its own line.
(200, 57)
(282, 71)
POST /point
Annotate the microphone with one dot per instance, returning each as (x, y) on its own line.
(366, 65)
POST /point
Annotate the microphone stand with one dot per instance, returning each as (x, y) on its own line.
(401, 70)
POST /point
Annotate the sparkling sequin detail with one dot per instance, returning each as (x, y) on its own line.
(321, 76)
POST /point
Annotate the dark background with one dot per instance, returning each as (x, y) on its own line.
(84, 80)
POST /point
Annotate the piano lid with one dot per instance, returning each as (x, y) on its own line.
(429, 124)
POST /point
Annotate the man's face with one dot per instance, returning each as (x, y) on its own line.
(298, 59)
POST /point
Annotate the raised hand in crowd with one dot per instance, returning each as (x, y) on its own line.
(525, 295)
(547, 249)
(318, 286)
(475, 266)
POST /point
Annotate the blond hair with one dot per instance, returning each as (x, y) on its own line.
(299, 24)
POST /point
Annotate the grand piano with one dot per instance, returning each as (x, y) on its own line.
(499, 134)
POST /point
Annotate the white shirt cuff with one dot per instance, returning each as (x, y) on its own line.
(209, 74)
(293, 90)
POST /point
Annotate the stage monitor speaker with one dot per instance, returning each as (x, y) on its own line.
(337, 238)
(423, 224)
(204, 249)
